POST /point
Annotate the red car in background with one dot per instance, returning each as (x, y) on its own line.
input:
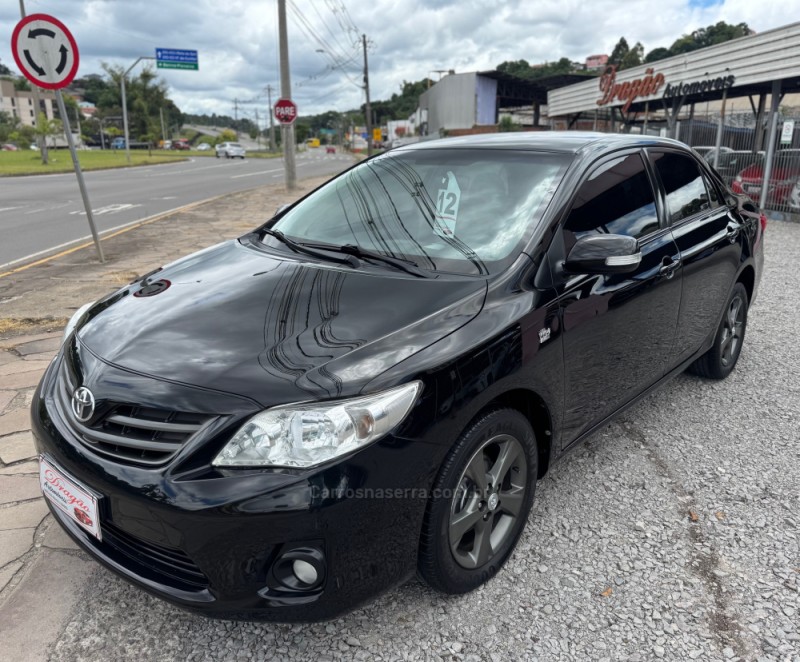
(181, 143)
(784, 177)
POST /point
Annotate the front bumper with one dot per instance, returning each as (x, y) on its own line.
(208, 540)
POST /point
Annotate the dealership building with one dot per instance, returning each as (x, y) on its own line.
(760, 69)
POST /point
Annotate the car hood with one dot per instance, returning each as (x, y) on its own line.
(274, 329)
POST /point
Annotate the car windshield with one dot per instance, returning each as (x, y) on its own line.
(234, 145)
(451, 210)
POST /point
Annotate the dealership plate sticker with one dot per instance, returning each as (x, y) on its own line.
(69, 497)
(448, 200)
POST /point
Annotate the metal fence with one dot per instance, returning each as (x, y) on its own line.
(738, 150)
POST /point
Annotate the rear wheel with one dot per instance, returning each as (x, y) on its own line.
(480, 502)
(719, 361)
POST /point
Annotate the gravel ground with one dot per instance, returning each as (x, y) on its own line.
(672, 534)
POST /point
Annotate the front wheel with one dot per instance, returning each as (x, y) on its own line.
(719, 361)
(480, 502)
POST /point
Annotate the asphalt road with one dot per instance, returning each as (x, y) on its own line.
(40, 213)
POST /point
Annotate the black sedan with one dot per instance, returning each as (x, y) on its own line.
(370, 384)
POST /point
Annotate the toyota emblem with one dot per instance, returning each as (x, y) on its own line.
(82, 404)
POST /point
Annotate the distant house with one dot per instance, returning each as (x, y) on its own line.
(596, 62)
(19, 103)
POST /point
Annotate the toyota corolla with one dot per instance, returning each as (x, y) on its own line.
(371, 383)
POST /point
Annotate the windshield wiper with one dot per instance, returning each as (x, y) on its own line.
(309, 250)
(357, 252)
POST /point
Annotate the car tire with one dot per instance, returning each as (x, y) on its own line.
(719, 361)
(471, 526)
(216, 154)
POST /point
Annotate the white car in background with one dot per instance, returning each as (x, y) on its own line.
(230, 150)
(203, 147)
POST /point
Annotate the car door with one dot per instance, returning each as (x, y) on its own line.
(706, 233)
(618, 330)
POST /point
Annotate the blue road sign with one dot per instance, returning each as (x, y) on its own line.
(176, 58)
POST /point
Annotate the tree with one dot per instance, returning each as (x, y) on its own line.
(518, 68)
(657, 54)
(709, 36)
(8, 123)
(4, 70)
(22, 85)
(633, 58)
(619, 52)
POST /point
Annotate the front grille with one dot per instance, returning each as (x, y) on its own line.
(128, 432)
(164, 561)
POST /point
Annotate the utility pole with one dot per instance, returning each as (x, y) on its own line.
(287, 130)
(163, 130)
(366, 89)
(78, 122)
(41, 140)
(271, 120)
(258, 131)
(236, 117)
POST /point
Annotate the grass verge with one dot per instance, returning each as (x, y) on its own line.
(29, 162)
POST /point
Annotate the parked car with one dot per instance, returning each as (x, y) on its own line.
(181, 144)
(794, 198)
(732, 163)
(230, 150)
(784, 176)
(9, 147)
(167, 144)
(330, 149)
(203, 147)
(370, 384)
(709, 151)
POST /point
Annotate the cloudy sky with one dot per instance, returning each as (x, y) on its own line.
(409, 39)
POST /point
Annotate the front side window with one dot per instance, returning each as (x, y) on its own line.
(465, 211)
(616, 199)
(683, 184)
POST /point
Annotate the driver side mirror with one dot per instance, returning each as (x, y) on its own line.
(604, 254)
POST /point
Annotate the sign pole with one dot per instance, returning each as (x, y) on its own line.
(287, 130)
(81, 184)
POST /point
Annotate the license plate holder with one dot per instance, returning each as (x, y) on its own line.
(76, 502)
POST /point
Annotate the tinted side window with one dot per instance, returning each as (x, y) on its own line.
(713, 194)
(616, 199)
(683, 183)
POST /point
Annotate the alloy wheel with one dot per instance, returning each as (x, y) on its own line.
(733, 325)
(487, 501)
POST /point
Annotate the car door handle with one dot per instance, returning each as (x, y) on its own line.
(733, 232)
(668, 267)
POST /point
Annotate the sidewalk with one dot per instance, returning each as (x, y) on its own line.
(42, 573)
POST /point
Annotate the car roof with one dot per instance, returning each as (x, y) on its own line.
(570, 142)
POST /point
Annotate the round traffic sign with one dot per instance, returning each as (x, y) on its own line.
(285, 111)
(45, 51)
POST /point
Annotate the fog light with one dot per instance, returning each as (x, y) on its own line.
(305, 572)
(298, 569)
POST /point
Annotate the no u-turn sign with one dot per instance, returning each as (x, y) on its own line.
(45, 51)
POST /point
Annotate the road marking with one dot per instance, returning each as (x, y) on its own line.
(260, 172)
(109, 209)
(39, 211)
(9, 208)
(105, 234)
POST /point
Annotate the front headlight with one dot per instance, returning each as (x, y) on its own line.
(310, 434)
(73, 321)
